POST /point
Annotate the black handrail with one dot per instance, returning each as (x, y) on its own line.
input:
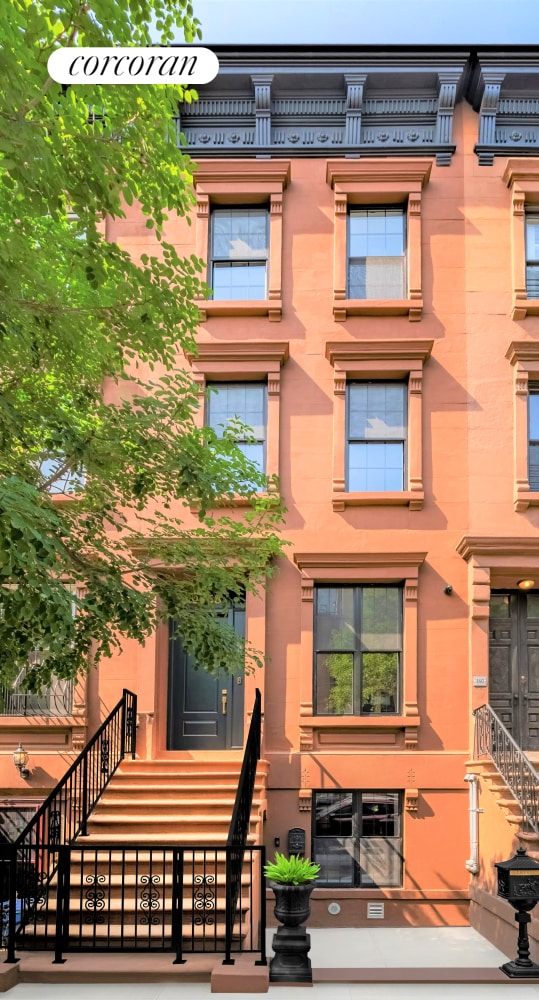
(493, 740)
(241, 818)
(64, 813)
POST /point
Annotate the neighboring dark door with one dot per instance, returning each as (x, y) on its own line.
(514, 664)
(205, 711)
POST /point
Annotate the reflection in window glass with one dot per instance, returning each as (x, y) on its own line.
(499, 606)
(239, 254)
(376, 436)
(376, 253)
(532, 255)
(358, 647)
(357, 839)
(244, 401)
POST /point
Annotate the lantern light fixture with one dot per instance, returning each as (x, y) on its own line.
(20, 759)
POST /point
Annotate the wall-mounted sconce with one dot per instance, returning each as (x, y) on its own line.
(20, 759)
(525, 584)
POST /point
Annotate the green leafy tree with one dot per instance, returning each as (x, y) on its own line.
(78, 319)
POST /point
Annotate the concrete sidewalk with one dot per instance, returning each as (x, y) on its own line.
(445, 963)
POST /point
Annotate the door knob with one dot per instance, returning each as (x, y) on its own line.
(224, 699)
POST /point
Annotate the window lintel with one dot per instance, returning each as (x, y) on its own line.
(345, 175)
(357, 356)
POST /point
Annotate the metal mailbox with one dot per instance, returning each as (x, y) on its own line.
(518, 878)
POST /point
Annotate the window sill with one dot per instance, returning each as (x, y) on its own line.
(331, 733)
(405, 498)
(523, 307)
(272, 308)
(360, 721)
(525, 499)
(343, 308)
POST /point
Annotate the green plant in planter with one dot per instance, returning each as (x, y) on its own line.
(294, 870)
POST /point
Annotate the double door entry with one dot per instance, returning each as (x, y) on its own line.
(514, 664)
(205, 711)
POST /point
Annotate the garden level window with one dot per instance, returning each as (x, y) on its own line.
(376, 436)
(357, 838)
(376, 253)
(246, 402)
(358, 650)
(532, 254)
(239, 254)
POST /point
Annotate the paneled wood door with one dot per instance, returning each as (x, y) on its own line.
(205, 711)
(514, 664)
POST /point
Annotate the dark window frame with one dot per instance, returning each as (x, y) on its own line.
(355, 440)
(357, 653)
(354, 833)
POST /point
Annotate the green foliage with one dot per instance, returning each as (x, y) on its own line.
(294, 870)
(83, 324)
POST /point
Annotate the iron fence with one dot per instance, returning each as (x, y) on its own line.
(105, 898)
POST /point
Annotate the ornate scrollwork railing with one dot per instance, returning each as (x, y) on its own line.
(64, 814)
(493, 740)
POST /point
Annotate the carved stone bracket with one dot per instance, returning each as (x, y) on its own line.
(262, 88)
(410, 738)
(306, 738)
(487, 115)
(444, 119)
(305, 799)
(411, 796)
(355, 83)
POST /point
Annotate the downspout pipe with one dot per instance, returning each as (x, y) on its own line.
(472, 864)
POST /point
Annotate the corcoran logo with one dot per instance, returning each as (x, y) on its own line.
(190, 66)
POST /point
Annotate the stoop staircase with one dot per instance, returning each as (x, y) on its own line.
(508, 799)
(132, 855)
(174, 802)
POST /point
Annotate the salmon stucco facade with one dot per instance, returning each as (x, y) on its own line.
(370, 223)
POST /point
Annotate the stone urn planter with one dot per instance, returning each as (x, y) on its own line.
(291, 943)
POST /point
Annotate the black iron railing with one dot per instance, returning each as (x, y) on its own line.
(107, 898)
(64, 814)
(241, 819)
(493, 740)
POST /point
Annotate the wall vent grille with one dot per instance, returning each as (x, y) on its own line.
(375, 911)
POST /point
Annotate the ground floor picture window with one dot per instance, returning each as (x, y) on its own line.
(357, 838)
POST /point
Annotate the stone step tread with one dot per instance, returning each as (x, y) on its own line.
(173, 839)
(137, 819)
(121, 799)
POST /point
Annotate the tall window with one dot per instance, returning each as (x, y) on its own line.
(532, 255)
(244, 401)
(239, 253)
(376, 253)
(376, 436)
(357, 839)
(358, 650)
(533, 435)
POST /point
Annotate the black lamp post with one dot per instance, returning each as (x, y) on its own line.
(518, 883)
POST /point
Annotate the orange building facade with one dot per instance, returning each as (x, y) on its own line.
(371, 225)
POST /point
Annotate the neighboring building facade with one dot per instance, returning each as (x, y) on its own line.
(371, 224)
